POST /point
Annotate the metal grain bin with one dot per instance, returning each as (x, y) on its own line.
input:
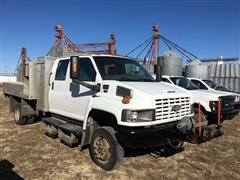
(218, 70)
(237, 70)
(237, 85)
(223, 71)
(172, 64)
(231, 86)
(212, 70)
(217, 80)
(233, 70)
(227, 82)
(228, 70)
(197, 69)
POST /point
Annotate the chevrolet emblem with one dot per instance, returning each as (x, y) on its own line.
(176, 108)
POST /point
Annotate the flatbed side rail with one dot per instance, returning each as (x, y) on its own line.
(16, 89)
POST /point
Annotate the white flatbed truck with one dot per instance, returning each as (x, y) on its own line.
(104, 102)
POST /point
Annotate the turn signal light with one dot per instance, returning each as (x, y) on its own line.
(75, 67)
(126, 99)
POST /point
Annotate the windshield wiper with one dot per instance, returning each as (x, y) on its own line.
(138, 80)
(127, 79)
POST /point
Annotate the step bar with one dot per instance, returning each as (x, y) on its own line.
(67, 132)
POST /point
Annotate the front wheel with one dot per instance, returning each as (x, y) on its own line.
(105, 149)
(176, 145)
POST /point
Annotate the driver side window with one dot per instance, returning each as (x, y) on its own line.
(86, 70)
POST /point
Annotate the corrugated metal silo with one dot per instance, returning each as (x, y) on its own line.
(213, 68)
(172, 64)
(237, 85)
(197, 69)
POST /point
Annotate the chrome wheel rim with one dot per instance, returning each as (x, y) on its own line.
(101, 149)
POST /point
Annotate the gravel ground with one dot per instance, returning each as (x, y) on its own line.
(25, 153)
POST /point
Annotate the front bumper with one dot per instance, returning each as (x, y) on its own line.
(225, 113)
(149, 137)
(227, 106)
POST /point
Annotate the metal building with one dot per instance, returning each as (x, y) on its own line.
(227, 75)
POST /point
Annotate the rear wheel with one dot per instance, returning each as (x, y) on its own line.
(105, 149)
(32, 119)
(19, 119)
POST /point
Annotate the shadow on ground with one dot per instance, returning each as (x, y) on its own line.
(155, 152)
(6, 171)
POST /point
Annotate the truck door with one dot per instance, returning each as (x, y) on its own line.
(79, 96)
(58, 89)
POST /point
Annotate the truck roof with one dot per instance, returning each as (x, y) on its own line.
(169, 76)
(194, 78)
(97, 55)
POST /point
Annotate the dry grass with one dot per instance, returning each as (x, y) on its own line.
(33, 155)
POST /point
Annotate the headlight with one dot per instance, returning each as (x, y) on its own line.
(138, 115)
(213, 105)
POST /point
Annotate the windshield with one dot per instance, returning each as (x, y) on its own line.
(210, 83)
(121, 69)
(184, 82)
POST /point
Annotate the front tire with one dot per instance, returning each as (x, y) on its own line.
(105, 149)
(203, 120)
(176, 145)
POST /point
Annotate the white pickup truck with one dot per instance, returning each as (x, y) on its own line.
(104, 102)
(212, 86)
(208, 99)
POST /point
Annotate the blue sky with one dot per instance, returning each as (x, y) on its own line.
(207, 28)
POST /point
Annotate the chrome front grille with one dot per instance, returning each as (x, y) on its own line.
(227, 103)
(164, 108)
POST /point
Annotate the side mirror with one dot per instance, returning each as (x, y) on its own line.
(158, 69)
(74, 60)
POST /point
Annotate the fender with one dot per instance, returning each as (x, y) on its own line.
(204, 105)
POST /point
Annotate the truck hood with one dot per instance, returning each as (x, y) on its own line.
(213, 94)
(154, 88)
(225, 93)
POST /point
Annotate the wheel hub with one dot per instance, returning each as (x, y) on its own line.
(101, 149)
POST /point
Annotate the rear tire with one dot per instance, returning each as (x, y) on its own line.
(19, 120)
(32, 119)
(105, 149)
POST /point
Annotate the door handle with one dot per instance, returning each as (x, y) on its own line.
(52, 85)
(49, 79)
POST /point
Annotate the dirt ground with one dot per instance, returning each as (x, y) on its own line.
(26, 153)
